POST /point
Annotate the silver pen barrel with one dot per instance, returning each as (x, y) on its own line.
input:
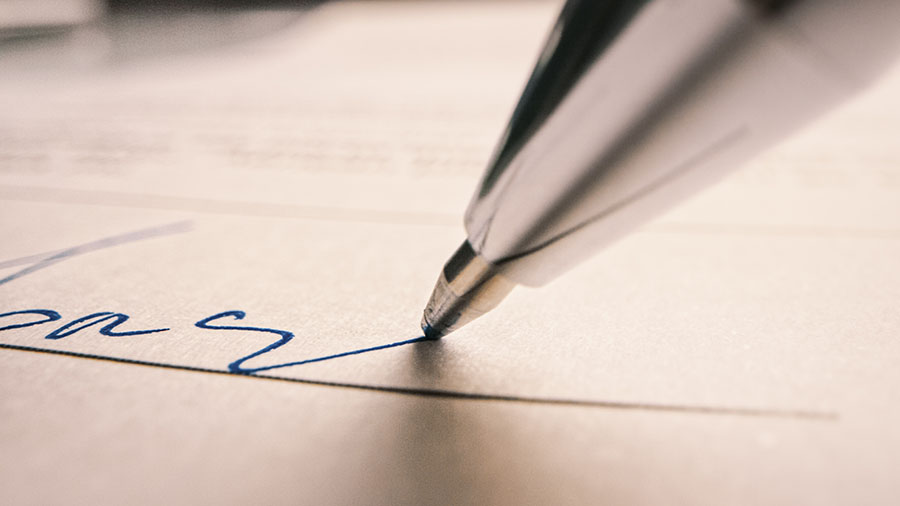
(635, 105)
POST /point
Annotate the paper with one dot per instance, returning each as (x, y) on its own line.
(308, 186)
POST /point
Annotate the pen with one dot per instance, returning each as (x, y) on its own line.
(632, 106)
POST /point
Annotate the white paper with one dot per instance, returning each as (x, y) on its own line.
(742, 349)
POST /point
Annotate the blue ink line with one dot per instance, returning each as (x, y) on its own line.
(814, 416)
(339, 355)
(30, 259)
(107, 330)
(285, 338)
(51, 315)
(137, 235)
(239, 315)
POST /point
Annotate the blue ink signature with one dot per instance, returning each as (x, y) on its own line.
(116, 319)
(111, 320)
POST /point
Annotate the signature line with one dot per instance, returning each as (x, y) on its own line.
(823, 416)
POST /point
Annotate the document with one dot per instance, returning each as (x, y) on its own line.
(213, 266)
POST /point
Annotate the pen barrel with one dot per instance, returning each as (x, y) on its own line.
(635, 105)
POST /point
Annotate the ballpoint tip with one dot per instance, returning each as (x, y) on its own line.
(468, 287)
(429, 331)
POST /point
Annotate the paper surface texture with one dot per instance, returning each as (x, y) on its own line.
(307, 186)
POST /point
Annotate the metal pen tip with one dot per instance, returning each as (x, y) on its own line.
(468, 287)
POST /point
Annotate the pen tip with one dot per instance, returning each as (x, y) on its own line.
(429, 331)
(468, 287)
